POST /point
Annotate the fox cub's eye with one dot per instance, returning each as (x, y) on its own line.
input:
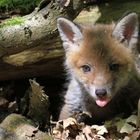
(114, 67)
(86, 68)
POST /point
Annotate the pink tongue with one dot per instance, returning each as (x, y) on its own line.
(101, 102)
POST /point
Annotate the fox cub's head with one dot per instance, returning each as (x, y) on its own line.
(100, 57)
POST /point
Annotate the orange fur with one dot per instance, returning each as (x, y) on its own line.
(99, 49)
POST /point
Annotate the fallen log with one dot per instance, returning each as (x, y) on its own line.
(32, 47)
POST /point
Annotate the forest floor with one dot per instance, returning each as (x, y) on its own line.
(27, 113)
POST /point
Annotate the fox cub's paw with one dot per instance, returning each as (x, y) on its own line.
(83, 117)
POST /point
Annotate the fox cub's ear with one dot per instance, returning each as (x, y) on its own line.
(69, 32)
(126, 30)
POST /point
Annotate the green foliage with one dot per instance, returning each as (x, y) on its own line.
(114, 10)
(12, 21)
(25, 6)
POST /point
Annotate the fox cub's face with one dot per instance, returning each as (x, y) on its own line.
(99, 57)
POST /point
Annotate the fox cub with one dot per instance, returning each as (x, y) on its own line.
(102, 70)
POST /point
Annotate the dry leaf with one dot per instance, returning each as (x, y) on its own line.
(12, 107)
(29, 131)
(138, 119)
(129, 125)
(127, 128)
(101, 130)
(69, 122)
(3, 103)
(117, 128)
(88, 133)
(38, 104)
(68, 128)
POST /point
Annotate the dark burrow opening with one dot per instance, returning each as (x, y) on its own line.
(15, 90)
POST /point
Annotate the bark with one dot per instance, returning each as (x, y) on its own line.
(38, 25)
(33, 47)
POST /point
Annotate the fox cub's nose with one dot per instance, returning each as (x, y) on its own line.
(101, 92)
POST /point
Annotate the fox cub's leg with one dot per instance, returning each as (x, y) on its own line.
(65, 113)
(73, 101)
(69, 109)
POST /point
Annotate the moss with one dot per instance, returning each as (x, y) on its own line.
(13, 121)
(12, 21)
(25, 6)
(18, 121)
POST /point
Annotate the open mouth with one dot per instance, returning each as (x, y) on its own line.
(102, 101)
